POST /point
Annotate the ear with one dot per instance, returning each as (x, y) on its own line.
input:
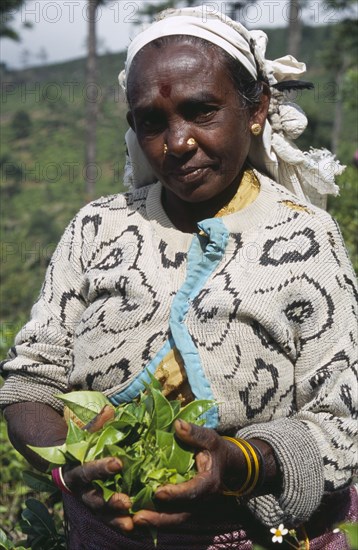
(130, 120)
(259, 112)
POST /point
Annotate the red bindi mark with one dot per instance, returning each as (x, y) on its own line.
(165, 90)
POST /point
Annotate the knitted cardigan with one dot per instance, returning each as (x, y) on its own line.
(260, 305)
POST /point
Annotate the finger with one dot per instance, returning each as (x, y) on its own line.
(97, 423)
(83, 475)
(196, 436)
(200, 485)
(148, 518)
(119, 501)
(94, 500)
(204, 461)
(124, 523)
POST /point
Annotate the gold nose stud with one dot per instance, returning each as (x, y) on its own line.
(165, 148)
(191, 141)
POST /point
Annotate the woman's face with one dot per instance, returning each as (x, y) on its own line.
(183, 93)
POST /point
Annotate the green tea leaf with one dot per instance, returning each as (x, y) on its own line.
(148, 402)
(130, 476)
(39, 482)
(54, 455)
(141, 435)
(74, 433)
(162, 413)
(115, 450)
(194, 410)
(154, 534)
(351, 530)
(134, 409)
(35, 528)
(161, 475)
(176, 406)
(180, 460)
(143, 500)
(165, 441)
(109, 436)
(85, 404)
(107, 493)
(177, 478)
(154, 382)
(124, 419)
(4, 541)
(78, 450)
(40, 516)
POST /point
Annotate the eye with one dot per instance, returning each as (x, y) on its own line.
(151, 122)
(200, 112)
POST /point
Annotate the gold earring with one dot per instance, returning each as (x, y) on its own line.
(191, 141)
(256, 129)
(165, 149)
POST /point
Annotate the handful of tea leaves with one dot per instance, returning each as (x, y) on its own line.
(140, 433)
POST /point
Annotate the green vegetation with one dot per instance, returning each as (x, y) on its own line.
(21, 125)
(42, 182)
(43, 172)
(26, 521)
(139, 433)
(7, 10)
(43, 169)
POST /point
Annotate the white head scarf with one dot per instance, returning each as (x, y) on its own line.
(310, 175)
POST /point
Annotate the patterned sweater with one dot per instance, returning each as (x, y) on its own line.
(260, 305)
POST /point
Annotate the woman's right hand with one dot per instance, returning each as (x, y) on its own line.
(38, 424)
(78, 479)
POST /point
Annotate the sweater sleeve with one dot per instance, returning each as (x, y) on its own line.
(37, 366)
(315, 445)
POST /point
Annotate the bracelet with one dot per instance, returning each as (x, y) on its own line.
(262, 470)
(239, 444)
(255, 469)
(252, 450)
(58, 480)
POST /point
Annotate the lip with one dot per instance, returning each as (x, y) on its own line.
(190, 174)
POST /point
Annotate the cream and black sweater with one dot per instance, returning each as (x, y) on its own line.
(260, 304)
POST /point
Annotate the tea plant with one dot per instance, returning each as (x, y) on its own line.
(140, 433)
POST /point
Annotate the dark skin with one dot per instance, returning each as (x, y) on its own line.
(206, 128)
(185, 100)
(217, 460)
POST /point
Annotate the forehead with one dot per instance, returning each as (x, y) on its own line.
(177, 68)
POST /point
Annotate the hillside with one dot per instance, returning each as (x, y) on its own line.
(43, 150)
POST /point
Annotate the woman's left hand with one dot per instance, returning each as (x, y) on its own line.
(216, 460)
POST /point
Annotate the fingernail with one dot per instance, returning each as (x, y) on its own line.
(114, 465)
(140, 520)
(183, 425)
(161, 493)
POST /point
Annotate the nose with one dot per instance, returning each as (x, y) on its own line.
(179, 139)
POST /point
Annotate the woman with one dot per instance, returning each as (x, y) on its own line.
(215, 276)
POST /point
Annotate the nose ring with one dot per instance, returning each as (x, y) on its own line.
(191, 141)
(165, 148)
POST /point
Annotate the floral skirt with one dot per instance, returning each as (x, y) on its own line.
(209, 531)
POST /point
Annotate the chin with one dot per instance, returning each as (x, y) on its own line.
(197, 192)
(196, 196)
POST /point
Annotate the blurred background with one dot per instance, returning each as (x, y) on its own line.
(63, 125)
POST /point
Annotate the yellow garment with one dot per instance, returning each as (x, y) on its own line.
(171, 374)
(171, 371)
(247, 192)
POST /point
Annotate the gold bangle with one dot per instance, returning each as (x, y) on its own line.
(247, 487)
(240, 491)
(256, 465)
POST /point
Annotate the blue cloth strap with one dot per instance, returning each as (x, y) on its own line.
(205, 253)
